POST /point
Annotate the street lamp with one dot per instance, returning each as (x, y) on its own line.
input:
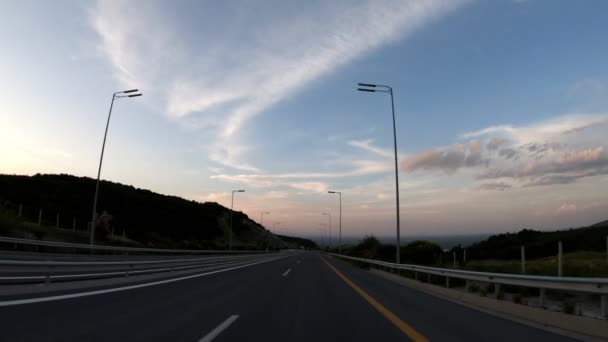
(340, 234)
(116, 95)
(372, 88)
(262, 217)
(231, 213)
(328, 214)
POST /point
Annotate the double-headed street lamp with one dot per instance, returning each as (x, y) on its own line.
(329, 215)
(116, 95)
(231, 212)
(376, 88)
(340, 234)
(262, 217)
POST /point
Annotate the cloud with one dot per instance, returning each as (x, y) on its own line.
(565, 168)
(310, 186)
(368, 146)
(448, 161)
(263, 54)
(542, 131)
(495, 143)
(566, 208)
(551, 152)
(495, 186)
(508, 153)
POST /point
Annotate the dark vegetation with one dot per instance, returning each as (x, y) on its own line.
(584, 252)
(148, 218)
(296, 242)
(416, 252)
(541, 244)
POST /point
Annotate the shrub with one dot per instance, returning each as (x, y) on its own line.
(568, 306)
(517, 298)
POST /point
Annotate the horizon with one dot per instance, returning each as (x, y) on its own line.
(498, 125)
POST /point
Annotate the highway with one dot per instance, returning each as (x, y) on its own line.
(289, 296)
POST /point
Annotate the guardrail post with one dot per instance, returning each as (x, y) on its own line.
(559, 259)
(496, 290)
(467, 285)
(21, 207)
(428, 278)
(39, 216)
(415, 275)
(464, 256)
(74, 224)
(541, 298)
(57, 225)
(523, 259)
(604, 306)
(447, 282)
(454, 257)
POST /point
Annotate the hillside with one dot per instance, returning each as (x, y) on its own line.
(149, 218)
(541, 243)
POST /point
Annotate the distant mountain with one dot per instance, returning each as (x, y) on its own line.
(147, 217)
(541, 243)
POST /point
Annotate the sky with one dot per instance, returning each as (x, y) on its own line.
(501, 107)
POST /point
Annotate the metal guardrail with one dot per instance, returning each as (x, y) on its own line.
(117, 248)
(48, 270)
(566, 284)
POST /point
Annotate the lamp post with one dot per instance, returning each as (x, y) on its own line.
(262, 217)
(116, 95)
(231, 213)
(340, 224)
(329, 215)
(372, 88)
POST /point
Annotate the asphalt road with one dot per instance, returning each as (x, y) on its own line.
(288, 297)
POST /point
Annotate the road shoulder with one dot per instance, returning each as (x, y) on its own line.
(577, 327)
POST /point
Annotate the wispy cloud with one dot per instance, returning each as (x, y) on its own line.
(255, 61)
(368, 145)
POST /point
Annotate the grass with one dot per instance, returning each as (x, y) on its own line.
(577, 264)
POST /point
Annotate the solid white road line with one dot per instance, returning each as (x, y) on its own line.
(287, 272)
(124, 288)
(218, 330)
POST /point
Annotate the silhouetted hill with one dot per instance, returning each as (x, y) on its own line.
(541, 244)
(150, 218)
(296, 242)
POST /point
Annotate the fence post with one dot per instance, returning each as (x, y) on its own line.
(523, 259)
(21, 207)
(541, 298)
(40, 217)
(559, 259)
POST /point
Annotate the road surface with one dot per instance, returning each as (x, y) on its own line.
(297, 296)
